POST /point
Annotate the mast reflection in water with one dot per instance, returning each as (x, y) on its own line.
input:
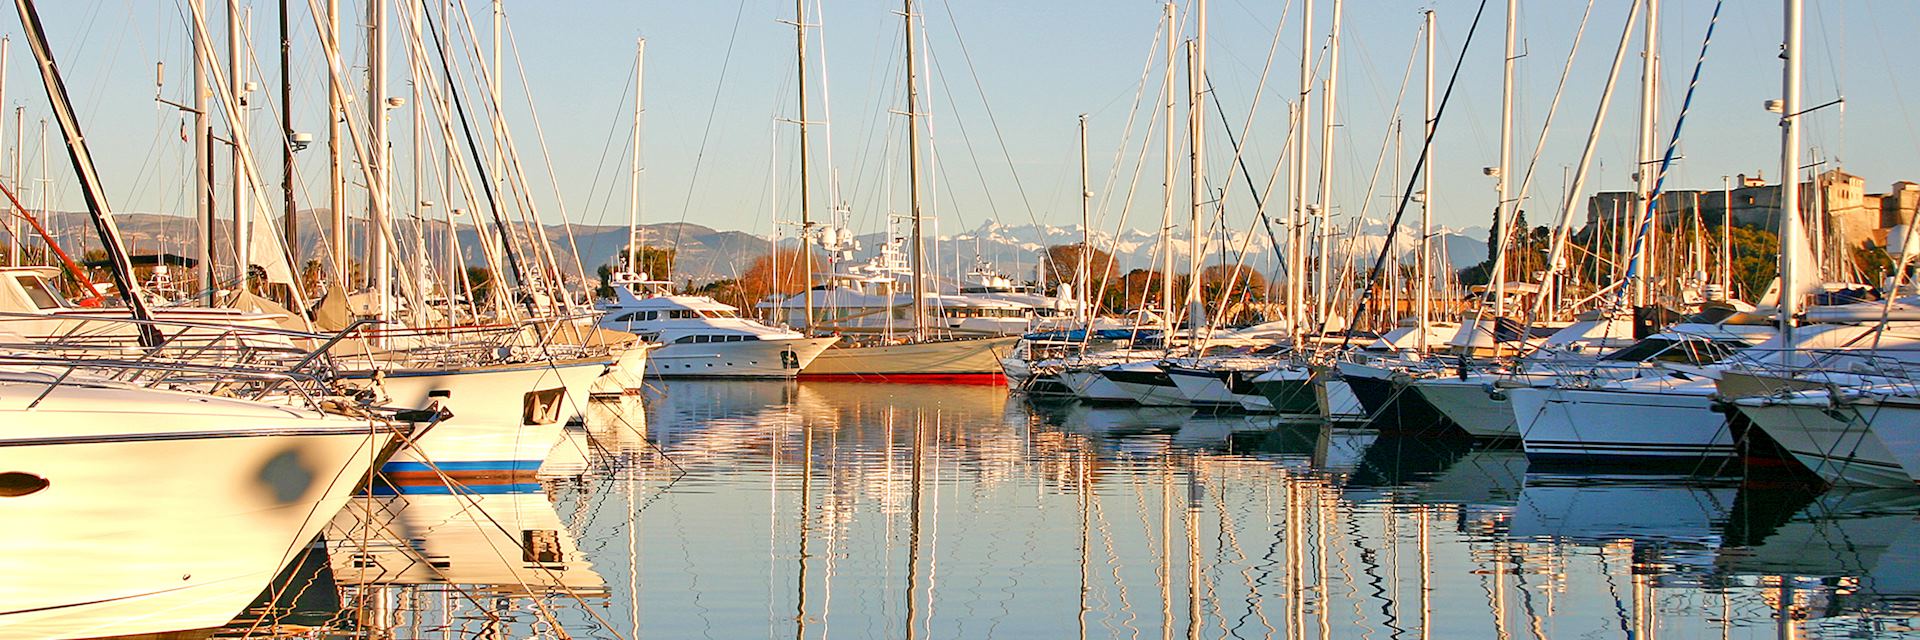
(814, 510)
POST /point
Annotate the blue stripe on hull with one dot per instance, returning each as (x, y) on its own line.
(473, 465)
(443, 490)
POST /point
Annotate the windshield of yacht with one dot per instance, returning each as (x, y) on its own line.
(42, 295)
(1688, 351)
(718, 313)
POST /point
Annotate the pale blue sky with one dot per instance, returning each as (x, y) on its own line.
(1038, 64)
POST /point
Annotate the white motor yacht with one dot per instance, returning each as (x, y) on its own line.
(703, 338)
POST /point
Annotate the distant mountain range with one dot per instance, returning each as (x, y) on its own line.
(708, 254)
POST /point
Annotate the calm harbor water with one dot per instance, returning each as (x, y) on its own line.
(804, 510)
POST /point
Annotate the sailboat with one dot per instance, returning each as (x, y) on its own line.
(924, 356)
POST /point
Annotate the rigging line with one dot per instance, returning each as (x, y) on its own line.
(1239, 164)
(713, 107)
(513, 175)
(546, 158)
(998, 136)
(1893, 82)
(600, 164)
(1259, 203)
(966, 141)
(1113, 173)
(1553, 106)
(1394, 128)
(1119, 154)
(1666, 160)
(81, 159)
(1126, 207)
(873, 121)
(473, 148)
(826, 107)
(1557, 246)
(1413, 177)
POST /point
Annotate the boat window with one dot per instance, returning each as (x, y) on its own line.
(1640, 351)
(1717, 350)
(38, 291)
(719, 313)
(1694, 351)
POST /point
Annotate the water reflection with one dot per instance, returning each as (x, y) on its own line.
(722, 510)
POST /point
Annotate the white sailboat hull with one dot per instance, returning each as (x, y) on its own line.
(1337, 402)
(1204, 390)
(1834, 443)
(937, 361)
(1145, 383)
(1483, 414)
(1568, 423)
(1089, 386)
(627, 375)
(491, 431)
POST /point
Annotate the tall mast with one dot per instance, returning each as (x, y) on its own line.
(1086, 229)
(13, 237)
(806, 203)
(16, 252)
(1424, 299)
(1727, 237)
(1196, 167)
(290, 222)
(236, 84)
(46, 191)
(913, 177)
(633, 168)
(1790, 232)
(1503, 185)
(378, 270)
(1643, 169)
(202, 162)
(336, 167)
(1166, 204)
(1557, 256)
(1328, 95)
(1297, 230)
(418, 74)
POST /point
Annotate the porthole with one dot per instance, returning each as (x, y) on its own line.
(14, 484)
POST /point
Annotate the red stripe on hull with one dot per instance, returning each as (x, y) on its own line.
(994, 379)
